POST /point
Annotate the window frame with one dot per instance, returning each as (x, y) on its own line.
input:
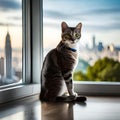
(32, 53)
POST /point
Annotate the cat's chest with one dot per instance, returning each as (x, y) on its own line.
(67, 59)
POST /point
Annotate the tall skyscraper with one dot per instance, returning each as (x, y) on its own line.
(8, 54)
(94, 44)
(2, 66)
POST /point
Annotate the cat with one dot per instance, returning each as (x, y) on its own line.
(59, 64)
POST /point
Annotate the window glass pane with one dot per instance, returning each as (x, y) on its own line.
(99, 46)
(10, 42)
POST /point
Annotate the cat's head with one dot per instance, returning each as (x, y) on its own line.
(71, 34)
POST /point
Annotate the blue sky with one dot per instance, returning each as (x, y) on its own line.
(10, 5)
(99, 17)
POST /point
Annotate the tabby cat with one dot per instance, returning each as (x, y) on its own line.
(59, 64)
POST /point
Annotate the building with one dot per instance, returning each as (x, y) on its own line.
(8, 55)
(110, 51)
(93, 42)
(94, 45)
(1, 66)
(100, 46)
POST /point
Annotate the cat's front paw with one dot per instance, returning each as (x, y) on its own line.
(74, 95)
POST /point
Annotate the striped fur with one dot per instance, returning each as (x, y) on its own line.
(59, 64)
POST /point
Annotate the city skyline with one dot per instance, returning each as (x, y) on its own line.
(9, 73)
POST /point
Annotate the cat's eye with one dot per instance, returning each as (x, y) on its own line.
(77, 36)
(66, 37)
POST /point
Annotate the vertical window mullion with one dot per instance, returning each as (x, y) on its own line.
(27, 42)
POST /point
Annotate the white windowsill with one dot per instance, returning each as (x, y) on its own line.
(17, 92)
(83, 88)
(97, 88)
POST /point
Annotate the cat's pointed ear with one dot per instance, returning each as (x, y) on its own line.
(79, 26)
(64, 26)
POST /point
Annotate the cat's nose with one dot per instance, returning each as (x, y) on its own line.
(73, 39)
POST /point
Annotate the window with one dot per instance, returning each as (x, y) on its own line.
(31, 47)
(10, 42)
(99, 47)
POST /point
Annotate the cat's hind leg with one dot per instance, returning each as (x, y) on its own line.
(53, 89)
(51, 95)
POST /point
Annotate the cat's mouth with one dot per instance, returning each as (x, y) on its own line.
(71, 42)
(75, 41)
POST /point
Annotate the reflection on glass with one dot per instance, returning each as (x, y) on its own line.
(99, 47)
(10, 42)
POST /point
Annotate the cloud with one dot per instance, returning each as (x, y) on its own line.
(99, 19)
(15, 18)
(61, 15)
(81, 16)
(102, 11)
(9, 24)
(51, 25)
(55, 14)
(102, 28)
(6, 5)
